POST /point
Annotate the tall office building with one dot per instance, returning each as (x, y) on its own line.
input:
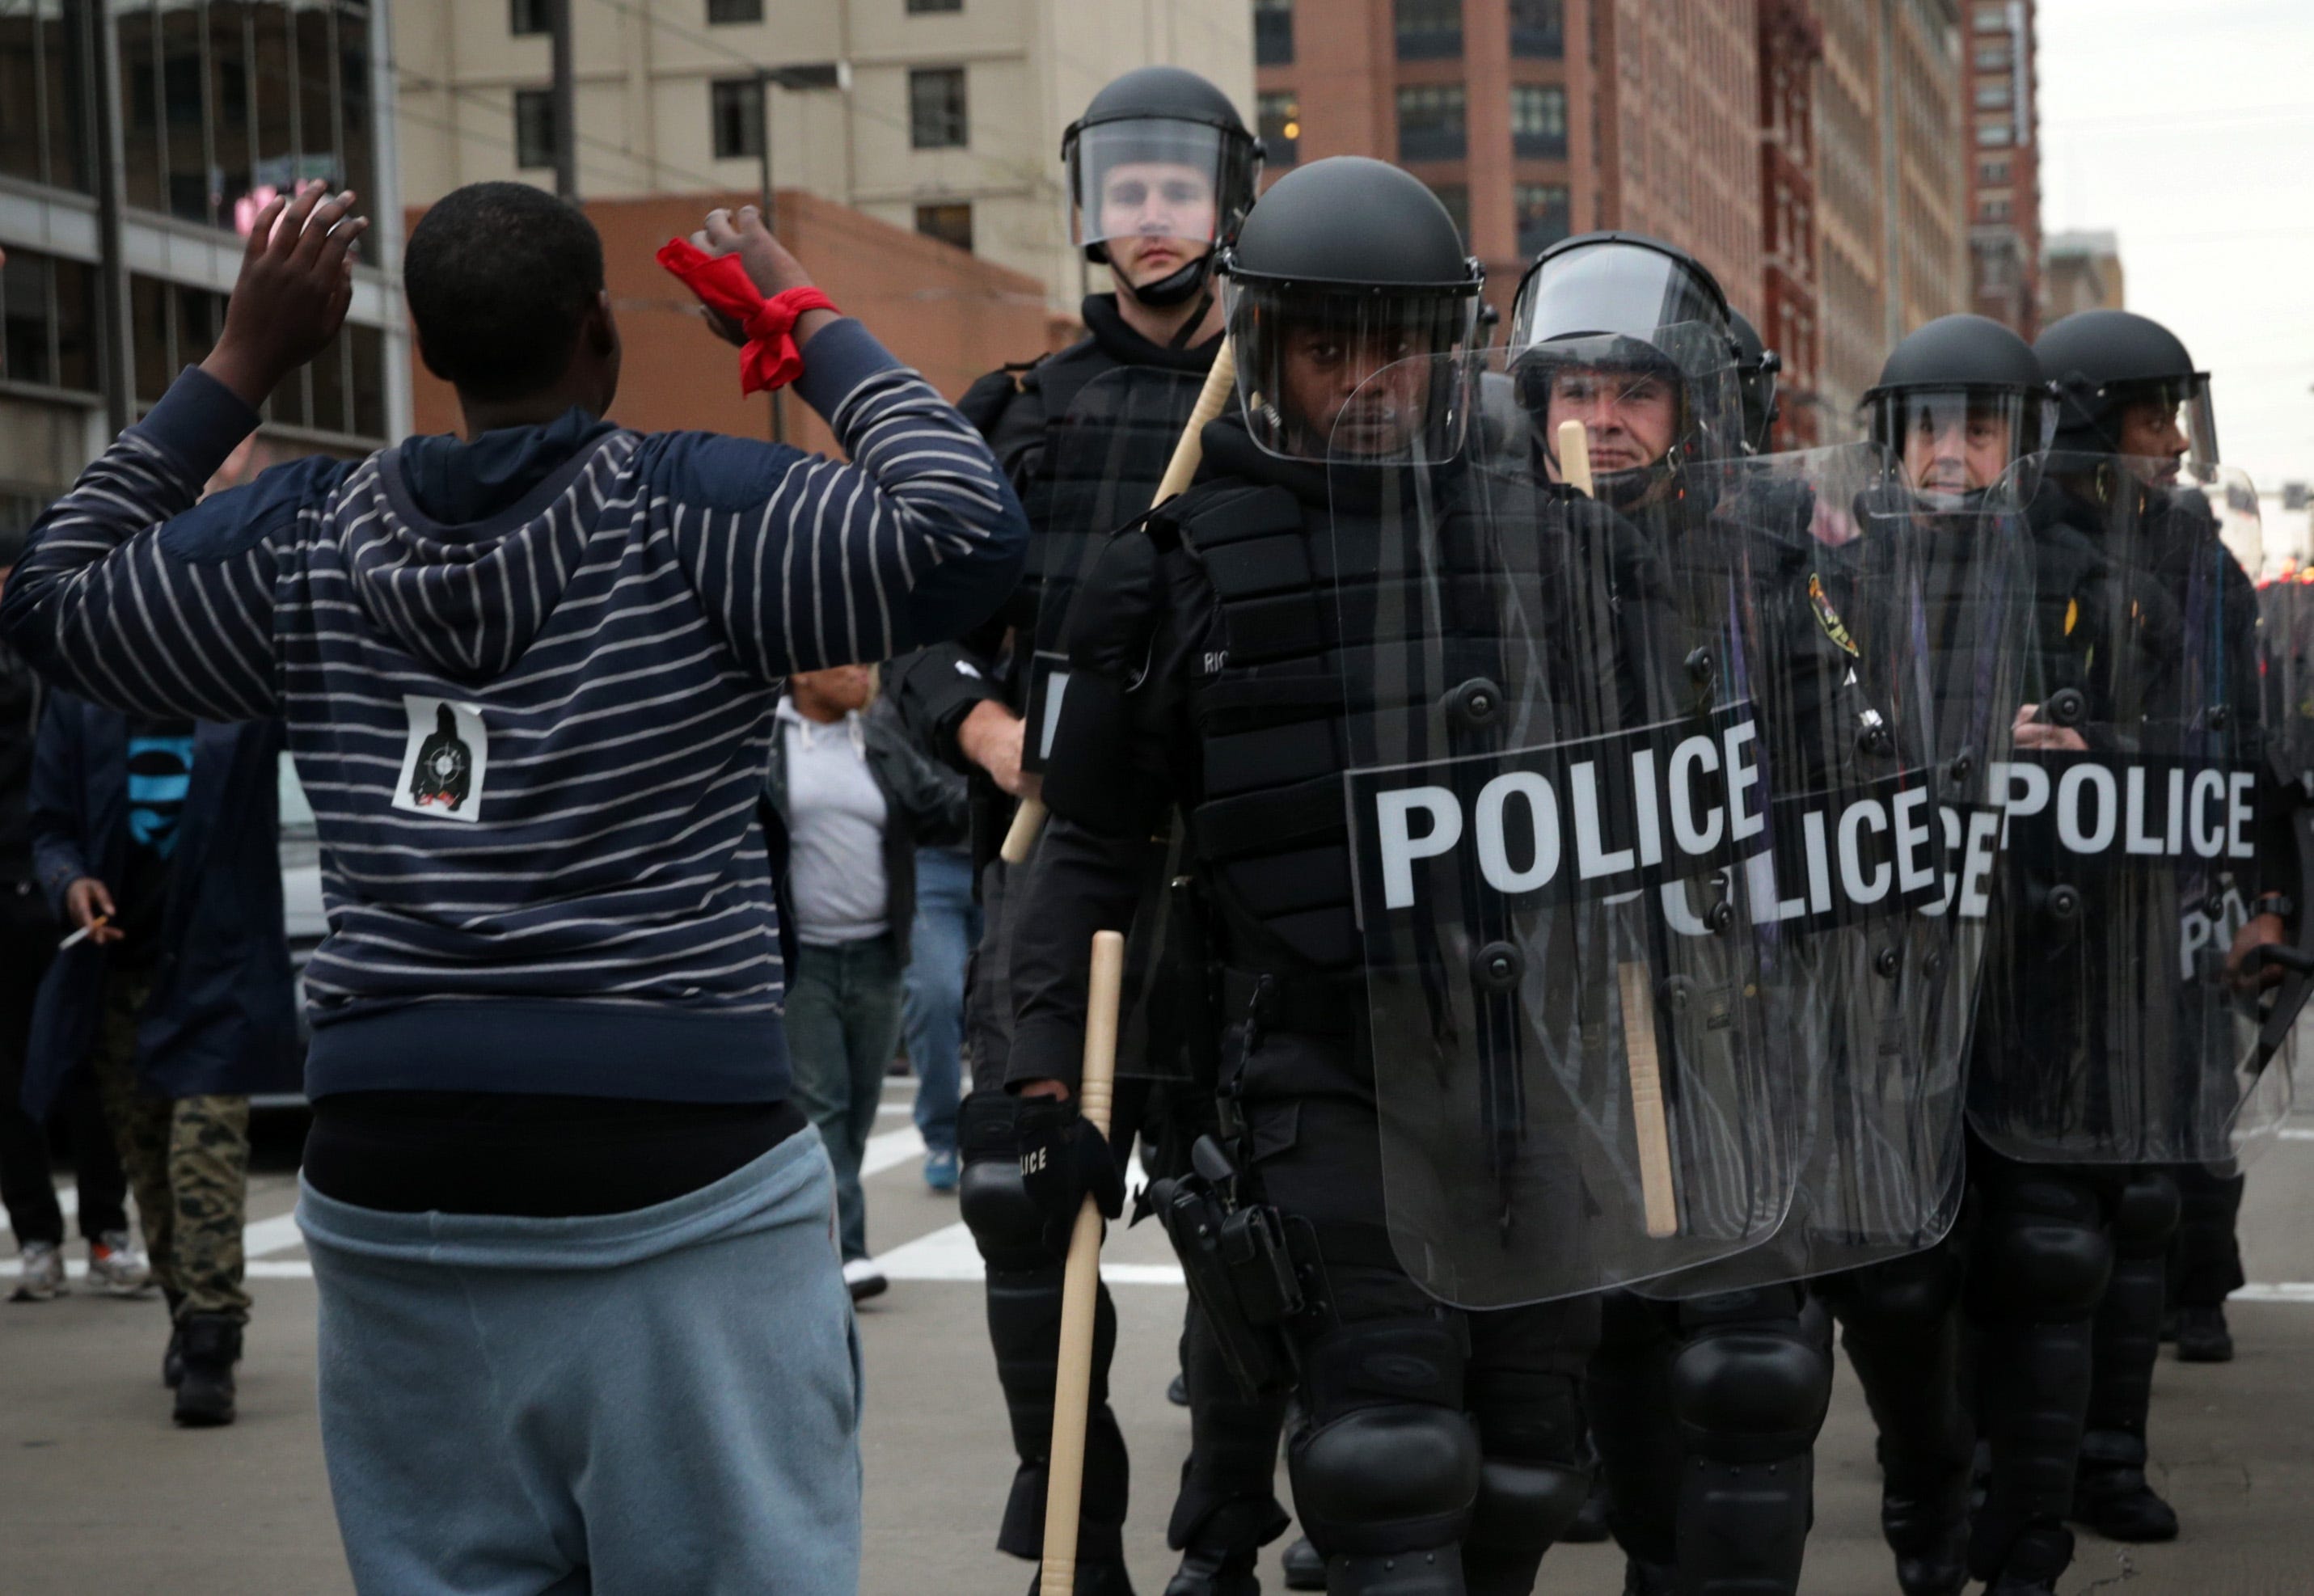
(138, 140)
(1890, 192)
(2004, 171)
(2082, 272)
(1486, 100)
(943, 117)
(1791, 49)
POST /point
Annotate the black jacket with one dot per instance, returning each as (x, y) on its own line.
(1015, 409)
(926, 806)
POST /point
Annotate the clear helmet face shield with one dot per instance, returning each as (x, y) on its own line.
(1952, 447)
(1157, 193)
(1325, 372)
(1652, 405)
(2163, 430)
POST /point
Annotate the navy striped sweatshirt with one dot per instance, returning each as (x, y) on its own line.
(536, 743)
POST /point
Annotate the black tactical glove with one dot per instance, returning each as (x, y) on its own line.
(1064, 1159)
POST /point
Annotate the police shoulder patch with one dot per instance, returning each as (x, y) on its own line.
(1827, 617)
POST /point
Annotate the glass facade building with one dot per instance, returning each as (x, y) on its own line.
(220, 105)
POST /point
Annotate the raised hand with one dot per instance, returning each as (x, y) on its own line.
(296, 280)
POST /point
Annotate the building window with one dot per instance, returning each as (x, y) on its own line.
(1430, 123)
(48, 330)
(1428, 29)
(1992, 57)
(1538, 121)
(1273, 32)
(1280, 117)
(41, 121)
(534, 128)
(1993, 96)
(1995, 136)
(1993, 171)
(1545, 216)
(950, 223)
(1993, 208)
(1456, 198)
(735, 10)
(920, 8)
(736, 107)
(528, 17)
(1538, 29)
(936, 109)
(1992, 16)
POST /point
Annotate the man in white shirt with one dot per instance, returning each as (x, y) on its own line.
(855, 799)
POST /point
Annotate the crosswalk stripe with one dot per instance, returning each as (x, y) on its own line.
(948, 1254)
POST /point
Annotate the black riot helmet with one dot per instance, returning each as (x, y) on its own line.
(1353, 268)
(1959, 403)
(1604, 324)
(2101, 363)
(1160, 153)
(1756, 366)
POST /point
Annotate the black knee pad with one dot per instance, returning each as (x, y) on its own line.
(1524, 1505)
(1387, 1480)
(1916, 1289)
(2145, 1214)
(1752, 1393)
(2039, 1266)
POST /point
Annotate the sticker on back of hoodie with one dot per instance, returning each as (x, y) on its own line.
(445, 760)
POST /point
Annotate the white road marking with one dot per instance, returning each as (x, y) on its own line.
(948, 1254)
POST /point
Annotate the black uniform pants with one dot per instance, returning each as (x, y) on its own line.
(1705, 1413)
(1439, 1450)
(2206, 1264)
(28, 940)
(1901, 1324)
(2041, 1257)
(1227, 1499)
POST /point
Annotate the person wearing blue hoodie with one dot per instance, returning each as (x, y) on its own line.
(582, 1324)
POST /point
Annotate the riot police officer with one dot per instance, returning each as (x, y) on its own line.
(2132, 394)
(2112, 1037)
(1161, 170)
(1438, 1449)
(1959, 404)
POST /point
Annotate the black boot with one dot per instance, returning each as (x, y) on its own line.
(1214, 1572)
(2203, 1336)
(172, 1361)
(2110, 1493)
(1924, 1518)
(212, 1346)
(1589, 1525)
(1306, 1570)
(1648, 1579)
(1093, 1579)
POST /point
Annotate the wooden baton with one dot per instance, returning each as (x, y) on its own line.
(1634, 984)
(1188, 451)
(1080, 1287)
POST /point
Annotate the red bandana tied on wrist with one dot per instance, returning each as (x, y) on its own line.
(770, 358)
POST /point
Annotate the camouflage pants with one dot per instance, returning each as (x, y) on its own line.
(187, 1162)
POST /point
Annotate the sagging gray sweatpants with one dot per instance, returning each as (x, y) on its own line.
(660, 1401)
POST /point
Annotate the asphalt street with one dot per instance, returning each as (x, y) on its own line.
(100, 1495)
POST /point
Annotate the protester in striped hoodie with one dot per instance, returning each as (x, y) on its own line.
(581, 1317)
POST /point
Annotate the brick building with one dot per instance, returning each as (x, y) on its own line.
(1891, 191)
(1791, 49)
(1486, 100)
(2004, 171)
(950, 314)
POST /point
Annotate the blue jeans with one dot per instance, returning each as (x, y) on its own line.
(616, 1405)
(843, 1023)
(946, 930)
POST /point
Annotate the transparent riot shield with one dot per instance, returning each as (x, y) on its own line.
(2126, 1015)
(1105, 455)
(1555, 783)
(1887, 640)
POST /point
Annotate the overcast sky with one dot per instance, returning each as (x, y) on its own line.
(2187, 127)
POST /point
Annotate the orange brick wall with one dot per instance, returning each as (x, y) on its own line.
(947, 314)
